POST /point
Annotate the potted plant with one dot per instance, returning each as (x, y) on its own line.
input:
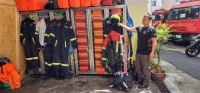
(163, 35)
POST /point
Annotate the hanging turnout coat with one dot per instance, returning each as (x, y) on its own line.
(30, 43)
(112, 53)
(60, 36)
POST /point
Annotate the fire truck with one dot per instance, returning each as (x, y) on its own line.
(185, 21)
(159, 17)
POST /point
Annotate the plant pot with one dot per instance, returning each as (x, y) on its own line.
(158, 77)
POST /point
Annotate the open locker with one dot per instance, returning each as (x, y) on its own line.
(80, 24)
(52, 14)
(93, 28)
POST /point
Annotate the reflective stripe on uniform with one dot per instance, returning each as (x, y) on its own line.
(48, 64)
(36, 33)
(72, 39)
(56, 64)
(24, 41)
(121, 54)
(33, 40)
(28, 58)
(51, 34)
(47, 35)
(56, 43)
(32, 58)
(104, 48)
(129, 58)
(64, 65)
(104, 59)
(21, 34)
(65, 44)
(105, 35)
(117, 47)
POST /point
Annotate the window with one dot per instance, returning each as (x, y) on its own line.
(176, 1)
(157, 17)
(184, 13)
(154, 3)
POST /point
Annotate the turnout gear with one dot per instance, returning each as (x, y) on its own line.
(112, 53)
(48, 47)
(61, 35)
(114, 19)
(30, 43)
(108, 27)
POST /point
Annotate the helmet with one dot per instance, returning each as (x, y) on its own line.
(114, 19)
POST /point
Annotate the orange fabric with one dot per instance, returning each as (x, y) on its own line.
(9, 73)
(75, 3)
(33, 5)
(21, 5)
(63, 3)
(95, 2)
(85, 3)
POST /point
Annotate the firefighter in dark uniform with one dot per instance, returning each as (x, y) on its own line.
(145, 50)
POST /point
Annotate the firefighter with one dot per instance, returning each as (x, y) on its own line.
(62, 35)
(145, 49)
(30, 43)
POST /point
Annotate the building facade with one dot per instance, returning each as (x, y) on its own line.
(161, 4)
(137, 9)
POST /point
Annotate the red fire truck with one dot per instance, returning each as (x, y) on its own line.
(159, 16)
(185, 21)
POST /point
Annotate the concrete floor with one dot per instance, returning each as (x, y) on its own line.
(80, 84)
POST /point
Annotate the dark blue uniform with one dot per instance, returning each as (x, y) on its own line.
(30, 43)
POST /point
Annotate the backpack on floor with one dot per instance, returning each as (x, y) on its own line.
(122, 81)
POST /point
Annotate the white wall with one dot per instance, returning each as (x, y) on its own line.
(137, 9)
(158, 5)
(167, 4)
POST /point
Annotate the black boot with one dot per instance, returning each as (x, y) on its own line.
(142, 86)
(138, 82)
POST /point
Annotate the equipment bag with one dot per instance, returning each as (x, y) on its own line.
(95, 2)
(63, 3)
(5, 86)
(75, 3)
(123, 81)
(85, 3)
